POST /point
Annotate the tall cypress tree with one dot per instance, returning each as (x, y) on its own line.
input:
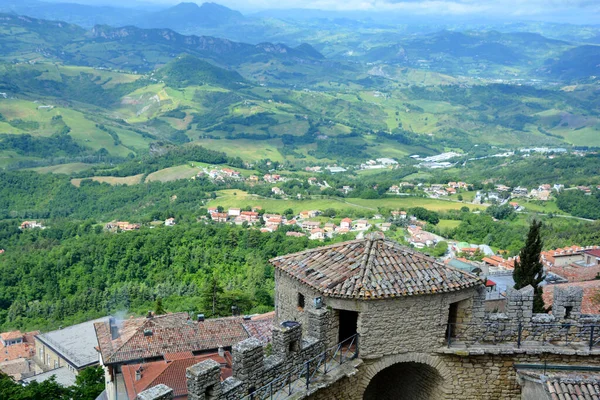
(529, 269)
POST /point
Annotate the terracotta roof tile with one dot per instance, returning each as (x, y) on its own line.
(170, 372)
(372, 268)
(262, 329)
(590, 290)
(573, 389)
(143, 338)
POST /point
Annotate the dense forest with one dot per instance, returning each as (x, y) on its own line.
(71, 272)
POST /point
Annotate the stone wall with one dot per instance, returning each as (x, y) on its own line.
(473, 377)
(415, 323)
(286, 298)
(158, 392)
(252, 370)
(385, 326)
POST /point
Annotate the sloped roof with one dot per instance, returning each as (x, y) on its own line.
(372, 268)
(170, 372)
(170, 333)
(573, 390)
(75, 343)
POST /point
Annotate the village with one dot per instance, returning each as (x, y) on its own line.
(116, 342)
(37, 356)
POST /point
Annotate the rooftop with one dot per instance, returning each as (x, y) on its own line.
(64, 377)
(590, 291)
(170, 372)
(372, 268)
(142, 338)
(76, 343)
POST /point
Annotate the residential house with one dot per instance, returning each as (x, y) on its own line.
(309, 214)
(310, 225)
(421, 239)
(502, 188)
(544, 187)
(31, 225)
(295, 234)
(250, 217)
(312, 181)
(212, 210)
(17, 350)
(385, 226)
(272, 178)
(558, 187)
(230, 173)
(170, 221)
(387, 161)
(514, 205)
(451, 190)
(592, 257)
(252, 179)
(274, 222)
(219, 217)
(361, 225)
(585, 189)
(234, 212)
(329, 227)
(395, 189)
(317, 234)
(543, 195)
(73, 347)
(170, 371)
(121, 226)
(346, 223)
(277, 191)
(141, 341)
(347, 189)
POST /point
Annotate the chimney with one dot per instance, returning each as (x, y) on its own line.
(149, 315)
(138, 373)
(114, 329)
(200, 317)
(221, 351)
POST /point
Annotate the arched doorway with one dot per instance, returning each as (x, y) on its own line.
(406, 381)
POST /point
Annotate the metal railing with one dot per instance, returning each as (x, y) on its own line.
(530, 333)
(301, 377)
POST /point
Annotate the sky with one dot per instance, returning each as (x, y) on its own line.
(584, 11)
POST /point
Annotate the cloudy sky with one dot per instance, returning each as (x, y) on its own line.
(585, 11)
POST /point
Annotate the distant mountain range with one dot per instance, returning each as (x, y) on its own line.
(186, 15)
(145, 48)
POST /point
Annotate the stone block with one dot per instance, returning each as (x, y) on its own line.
(158, 392)
(204, 381)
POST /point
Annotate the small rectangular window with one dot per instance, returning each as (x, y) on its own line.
(301, 301)
(568, 311)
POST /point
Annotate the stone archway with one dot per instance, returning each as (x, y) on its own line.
(405, 376)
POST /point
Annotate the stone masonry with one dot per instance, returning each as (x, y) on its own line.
(428, 345)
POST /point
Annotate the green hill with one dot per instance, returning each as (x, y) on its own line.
(187, 70)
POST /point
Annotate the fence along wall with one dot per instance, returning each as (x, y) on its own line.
(252, 370)
(519, 324)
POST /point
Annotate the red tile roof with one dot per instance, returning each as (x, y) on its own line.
(20, 350)
(170, 333)
(590, 290)
(573, 389)
(11, 335)
(262, 329)
(170, 372)
(372, 268)
(593, 252)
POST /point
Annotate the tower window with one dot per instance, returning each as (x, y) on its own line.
(301, 301)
